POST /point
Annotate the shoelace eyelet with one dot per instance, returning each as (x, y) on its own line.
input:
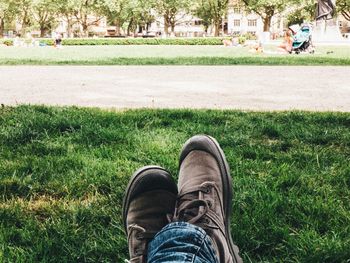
(207, 190)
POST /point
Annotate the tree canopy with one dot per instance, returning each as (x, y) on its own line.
(343, 7)
(267, 9)
(130, 16)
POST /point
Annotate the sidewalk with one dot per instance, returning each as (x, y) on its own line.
(260, 88)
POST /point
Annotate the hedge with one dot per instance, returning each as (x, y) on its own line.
(132, 41)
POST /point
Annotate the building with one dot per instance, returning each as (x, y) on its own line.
(241, 21)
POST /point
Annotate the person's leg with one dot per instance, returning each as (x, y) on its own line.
(150, 196)
(204, 202)
(181, 242)
(205, 194)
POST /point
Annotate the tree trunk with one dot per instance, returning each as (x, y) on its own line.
(85, 30)
(85, 26)
(129, 26)
(42, 31)
(166, 26)
(173, 28)
(117, 26)
(24, 27)
(217, 28)
(69, 27)
(346, 15)
(2, 27)
(267, 23)
(25, 23)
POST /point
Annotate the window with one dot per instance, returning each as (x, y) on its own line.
(236, 10)
(237, 23)
(252, 22)
(340, 23)
(198, 22)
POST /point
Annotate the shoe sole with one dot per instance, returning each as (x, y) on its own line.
(210, 145)
(136, 180)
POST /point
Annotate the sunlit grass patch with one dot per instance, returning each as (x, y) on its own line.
(63, 173)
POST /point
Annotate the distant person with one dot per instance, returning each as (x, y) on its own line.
(58, 40)
(231, 43)
(17, 41)
(29, 40)
(256, 48)
(287, 43)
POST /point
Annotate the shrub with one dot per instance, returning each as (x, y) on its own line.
(250, 36)
(129, 41)
(136, 41)
(241, 40)
(7, 42)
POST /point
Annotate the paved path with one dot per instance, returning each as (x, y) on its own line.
(231, 87)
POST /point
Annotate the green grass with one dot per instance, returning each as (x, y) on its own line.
(63, 172)
(167, 55)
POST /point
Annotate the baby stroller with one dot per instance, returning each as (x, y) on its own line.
(302, 39)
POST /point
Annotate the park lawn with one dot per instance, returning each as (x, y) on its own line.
(63, 172)
(167, 55)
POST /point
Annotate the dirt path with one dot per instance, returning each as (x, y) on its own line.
(231, 87)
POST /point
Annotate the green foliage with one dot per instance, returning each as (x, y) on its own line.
(211, 12)
(241, 40)
(303, 13)
(343, 6)
(8, 9)
(136, 41)
(117, 12)
(24, 15)
(169, 9)
(8, 42)
(45, 15)
(266, 9)
(84, 10)
(63, 173)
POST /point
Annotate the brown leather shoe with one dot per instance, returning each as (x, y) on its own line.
(150, 196)
(205, 193)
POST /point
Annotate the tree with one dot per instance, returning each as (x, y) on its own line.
(169, 10)
(44, 13)
(343, 6)
(116, 11)
(266, 9)
(141, 15)
(65, 9)
(304, 11)
(24, 14)
(212, 12)
(7, 13)
(87, 14)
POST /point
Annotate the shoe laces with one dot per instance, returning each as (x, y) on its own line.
(191, 206)
(143, 237)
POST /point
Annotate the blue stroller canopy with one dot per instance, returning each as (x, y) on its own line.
(303, 35)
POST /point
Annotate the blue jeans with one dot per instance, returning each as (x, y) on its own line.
(181, 242)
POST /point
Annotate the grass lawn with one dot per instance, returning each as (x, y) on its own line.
(63, 172)
(167, 55)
